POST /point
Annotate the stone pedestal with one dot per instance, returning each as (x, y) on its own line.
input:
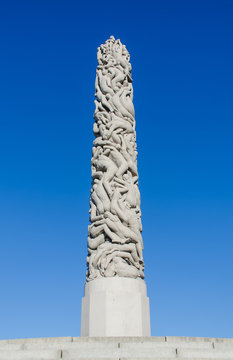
(115, 306)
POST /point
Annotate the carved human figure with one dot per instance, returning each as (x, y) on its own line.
(114, 236)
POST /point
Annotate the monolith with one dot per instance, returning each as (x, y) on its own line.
(115, 301)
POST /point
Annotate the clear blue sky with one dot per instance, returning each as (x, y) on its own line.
(182, 58)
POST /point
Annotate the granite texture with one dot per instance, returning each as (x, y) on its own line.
(115, 307)
(114, 236)
(117, 348)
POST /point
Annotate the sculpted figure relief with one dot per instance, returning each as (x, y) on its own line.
(114, 236)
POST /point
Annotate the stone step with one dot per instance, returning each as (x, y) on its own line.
(162, 353)
(117, 349)
(109, 344)
(30, 355)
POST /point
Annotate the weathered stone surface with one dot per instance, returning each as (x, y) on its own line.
(42, 340)
(115, 307)
(115, 301)
(194, 353)
(115, 348)
(30, 354)
(114, 237)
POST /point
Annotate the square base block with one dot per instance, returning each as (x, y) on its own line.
(115, 306)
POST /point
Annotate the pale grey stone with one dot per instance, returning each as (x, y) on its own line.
(121, 339)
(223, 345)
(37, 340)
(223, 340)
(90, 354)
(205, 353)
(11, 346)
(114, 236)
(141, 352)
(166, 345)
(188, 339)
(71, 356)
(30, 355)
(72, 346)
(115, 307)
(112, 348)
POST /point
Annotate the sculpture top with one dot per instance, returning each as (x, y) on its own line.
(113, 53)
(114, 236)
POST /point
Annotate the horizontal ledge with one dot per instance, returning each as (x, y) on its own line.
(118, 339)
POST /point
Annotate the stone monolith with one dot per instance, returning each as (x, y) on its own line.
(115, 301)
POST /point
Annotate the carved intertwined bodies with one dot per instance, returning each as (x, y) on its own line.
(114, 237)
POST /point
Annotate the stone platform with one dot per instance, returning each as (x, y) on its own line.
(117, 348)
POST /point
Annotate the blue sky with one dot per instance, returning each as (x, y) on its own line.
(182, 58)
